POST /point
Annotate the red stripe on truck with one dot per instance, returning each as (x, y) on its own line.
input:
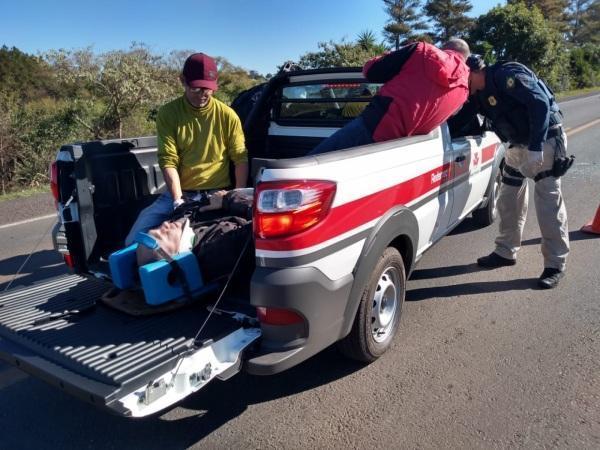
(352, 215)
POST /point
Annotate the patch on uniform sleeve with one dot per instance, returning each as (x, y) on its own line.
(492, 100)
(510, 82)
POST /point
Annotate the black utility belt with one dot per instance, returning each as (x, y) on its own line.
(562, 163)
(555, 131)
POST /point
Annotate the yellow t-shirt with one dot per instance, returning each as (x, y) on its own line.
(200, 142)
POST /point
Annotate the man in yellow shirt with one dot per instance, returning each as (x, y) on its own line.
(198, 137)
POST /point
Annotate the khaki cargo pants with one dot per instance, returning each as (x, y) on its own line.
(549, 206)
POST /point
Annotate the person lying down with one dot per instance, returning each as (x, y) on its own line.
(222, 237)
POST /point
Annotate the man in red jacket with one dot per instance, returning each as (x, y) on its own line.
(423, 86)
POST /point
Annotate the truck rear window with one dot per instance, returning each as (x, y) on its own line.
(325, 103)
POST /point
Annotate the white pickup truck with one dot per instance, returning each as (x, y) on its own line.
(335, 238)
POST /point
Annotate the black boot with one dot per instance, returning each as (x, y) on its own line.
(494, 260)
(550, 278)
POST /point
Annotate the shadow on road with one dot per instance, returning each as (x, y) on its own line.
(577, 235)
(462, 269)
(43, 264)
(448, 271)
(75, 424)
(466, 226)
(480, 287)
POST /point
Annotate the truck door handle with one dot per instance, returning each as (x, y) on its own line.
(460, 158)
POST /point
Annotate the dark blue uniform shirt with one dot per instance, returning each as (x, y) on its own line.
(519, 105)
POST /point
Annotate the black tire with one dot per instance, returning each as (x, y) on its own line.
(487, 215)
(387, 280)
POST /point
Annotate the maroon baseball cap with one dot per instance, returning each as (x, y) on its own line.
(200, 70)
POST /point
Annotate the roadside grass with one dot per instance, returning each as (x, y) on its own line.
(576, 92)
(28, 192)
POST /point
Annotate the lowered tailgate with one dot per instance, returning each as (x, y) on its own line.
(59, 331)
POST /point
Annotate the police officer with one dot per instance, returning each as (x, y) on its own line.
(522, 111)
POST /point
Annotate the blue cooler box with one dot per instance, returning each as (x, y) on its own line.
(123, 267)
(160, 288)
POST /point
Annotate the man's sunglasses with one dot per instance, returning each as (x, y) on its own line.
(198, 90)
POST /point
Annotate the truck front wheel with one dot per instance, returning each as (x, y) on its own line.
(487, 215)
(379, 311)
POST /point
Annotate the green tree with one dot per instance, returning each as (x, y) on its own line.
(514, 32)
(449, 18)
(585, 65)
(584, 19)
(117, 83)
(234, 79)
(8, 137)
(24, 76)
(343, 53)
(367, 41)
(404, 22)
(40, 127)
(554, 11)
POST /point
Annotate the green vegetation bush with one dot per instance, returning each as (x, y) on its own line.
(68, 96)
(585, 66)
(44, 125)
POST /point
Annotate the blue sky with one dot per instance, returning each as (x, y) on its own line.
(255, 34)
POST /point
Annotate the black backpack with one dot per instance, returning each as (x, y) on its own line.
(220, 238)
(219, 243)
(246, 100)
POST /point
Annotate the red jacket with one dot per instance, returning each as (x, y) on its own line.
(423, 86)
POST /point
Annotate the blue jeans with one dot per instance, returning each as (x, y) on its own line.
(151, 216)
(159, 211)
(355, 133)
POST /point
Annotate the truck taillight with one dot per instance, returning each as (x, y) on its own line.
(277, 316)
(54, 181)
(284, 208)
(69, 260)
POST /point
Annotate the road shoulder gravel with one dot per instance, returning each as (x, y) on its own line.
(24, 208)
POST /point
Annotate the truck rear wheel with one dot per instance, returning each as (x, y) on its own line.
(379, 311)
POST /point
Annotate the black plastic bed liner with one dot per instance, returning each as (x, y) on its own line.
(62, 322)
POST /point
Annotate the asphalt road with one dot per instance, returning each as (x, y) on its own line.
(483, 359)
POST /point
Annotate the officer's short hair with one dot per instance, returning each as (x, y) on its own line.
(475, 63)
(458, 45)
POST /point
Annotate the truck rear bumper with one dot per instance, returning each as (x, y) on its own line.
(321, 302)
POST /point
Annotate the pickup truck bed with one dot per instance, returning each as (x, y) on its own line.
(108, 352)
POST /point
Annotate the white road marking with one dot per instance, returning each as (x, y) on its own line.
(585, 97)
(22, 222)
